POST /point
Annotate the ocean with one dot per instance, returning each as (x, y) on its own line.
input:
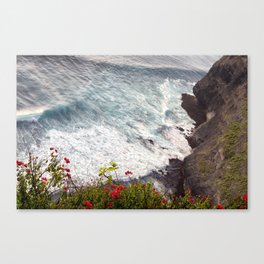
(97, 109)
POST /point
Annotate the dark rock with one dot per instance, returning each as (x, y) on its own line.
(194, 109)
(210, 169)
(180, 128)
(171, 177)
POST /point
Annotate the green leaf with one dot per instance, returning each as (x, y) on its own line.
(110, 179)
(102, 171)
(111, 169)
(113, 164)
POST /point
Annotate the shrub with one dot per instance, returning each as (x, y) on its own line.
(48, 185)
(38, 180)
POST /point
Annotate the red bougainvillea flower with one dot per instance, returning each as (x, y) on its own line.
(19, 163)
(115, 194)
(25, 165)
(67, 160)
(245, 197)
(51, 148)
(243, 207)
(109, 204)
(44, 179)
(128, 172)
(120, 188)
(219, 206)
(164, 201)
(67, 169)
(88, 205)
(65, 188)
(68, 175)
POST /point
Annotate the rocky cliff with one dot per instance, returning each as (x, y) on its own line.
(218, 163)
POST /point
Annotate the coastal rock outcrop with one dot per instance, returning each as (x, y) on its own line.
(218, 163)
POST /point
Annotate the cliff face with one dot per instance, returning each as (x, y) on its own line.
(218, 164)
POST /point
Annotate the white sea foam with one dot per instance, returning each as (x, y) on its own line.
(89, 149)
(98, 109)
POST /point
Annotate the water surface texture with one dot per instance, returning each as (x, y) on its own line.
(95, 109)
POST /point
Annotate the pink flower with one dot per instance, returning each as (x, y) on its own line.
(19, 163)
(44, 179)
(67, 160)
(88, 204)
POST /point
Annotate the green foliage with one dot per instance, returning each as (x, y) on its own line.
(234, 140)
(205, 168)
(231, 138)
(38, 181)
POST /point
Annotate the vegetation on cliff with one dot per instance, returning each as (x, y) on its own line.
(48, 184)
(218, 164)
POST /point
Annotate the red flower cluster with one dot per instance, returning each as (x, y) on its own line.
(164, 201)
(67, 169)
(52, 148)
(219, 206)
(245, 197)
(128, 172)
(19, 163)
(116, 192)
(67, 160)
(44, 179)
(88, 204)
(65, 188)
(68, 175)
